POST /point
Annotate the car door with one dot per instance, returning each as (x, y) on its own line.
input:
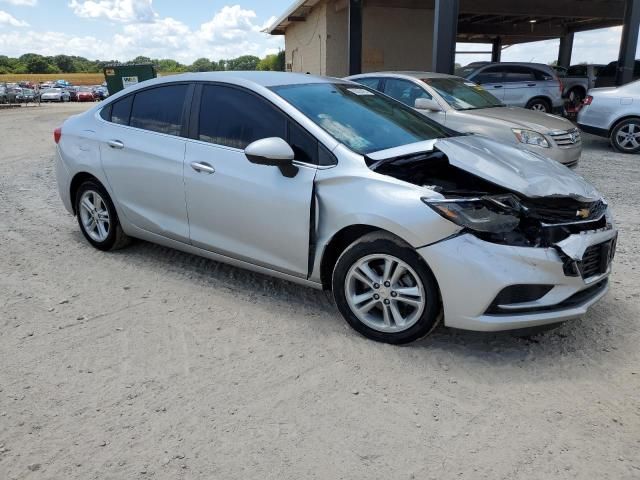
(237, 208)
(520, 85)
(491, 79)
(408, 92)
(142, 156)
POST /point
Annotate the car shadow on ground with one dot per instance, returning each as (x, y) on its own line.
(594, 333)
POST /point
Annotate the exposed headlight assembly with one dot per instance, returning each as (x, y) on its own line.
(490, 214)
(530, 137)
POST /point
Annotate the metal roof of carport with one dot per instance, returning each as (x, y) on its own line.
(515, 21)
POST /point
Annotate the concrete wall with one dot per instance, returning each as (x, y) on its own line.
(393, 39)
(305, 43)
(396, 38)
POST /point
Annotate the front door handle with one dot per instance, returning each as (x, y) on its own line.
(497, 86)
(115, 144)
(202, 167)
(531, 84)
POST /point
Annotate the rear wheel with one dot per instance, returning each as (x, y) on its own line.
(625, 137)
(539, 105)
(98, 218)
(385, 291)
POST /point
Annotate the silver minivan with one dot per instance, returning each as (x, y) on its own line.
(529, 85)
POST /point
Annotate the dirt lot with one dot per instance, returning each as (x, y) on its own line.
(149, 363)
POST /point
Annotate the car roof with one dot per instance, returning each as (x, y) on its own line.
(405, 73)
(264, 79)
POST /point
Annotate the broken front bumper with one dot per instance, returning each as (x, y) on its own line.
(474, 276)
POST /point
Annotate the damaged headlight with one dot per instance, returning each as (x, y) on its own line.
(530, 137)
(491, 214)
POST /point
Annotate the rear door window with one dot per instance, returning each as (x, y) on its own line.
(121, 110)
(404, 91)
(235, 118)
(489, 75)
(369, 82)
(159, 109)
(518, 74)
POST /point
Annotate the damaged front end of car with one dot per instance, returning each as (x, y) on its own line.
(545, 205)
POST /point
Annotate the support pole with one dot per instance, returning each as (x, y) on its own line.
(629, 42)
(496, 49)
(566, 47)
(445, 32)
(355, 37)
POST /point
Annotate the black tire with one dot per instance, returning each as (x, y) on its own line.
(387, 244)
(539, 104)
(575, 96)
(116, 238)
(627, 126)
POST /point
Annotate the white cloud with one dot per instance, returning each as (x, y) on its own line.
(8, 19)
(126, 11)
(231, 32)
(22, 3)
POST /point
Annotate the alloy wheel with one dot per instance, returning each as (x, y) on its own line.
(385, 293)
(539, 107)
(95, 216)
(628, 136)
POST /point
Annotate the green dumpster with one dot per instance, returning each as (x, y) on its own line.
(119, 77)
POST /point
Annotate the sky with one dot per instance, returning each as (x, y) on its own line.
(189, 29)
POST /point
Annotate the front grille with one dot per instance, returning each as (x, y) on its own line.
(596, 259)
(567, 139)
(564, 210)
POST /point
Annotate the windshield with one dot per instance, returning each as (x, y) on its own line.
(362, 119)
(465, 71)
(462, 94)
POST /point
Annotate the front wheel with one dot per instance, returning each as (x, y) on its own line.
(625, 137)
(385, 291)
(98, 218)
(539, 105)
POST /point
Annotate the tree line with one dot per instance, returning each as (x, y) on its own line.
(34, 63)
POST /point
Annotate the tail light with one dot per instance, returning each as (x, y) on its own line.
(561, 86)
(588, 99)
(57, 133)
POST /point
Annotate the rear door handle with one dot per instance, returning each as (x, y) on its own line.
(202, 167)
(531, 84)
(497, 86)
(115, 144)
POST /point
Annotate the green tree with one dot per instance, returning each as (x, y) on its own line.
(65, 63)
(245, 62)
(203, 65)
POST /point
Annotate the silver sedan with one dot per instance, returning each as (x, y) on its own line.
(468, 108)
(329, 184)
(614, 113)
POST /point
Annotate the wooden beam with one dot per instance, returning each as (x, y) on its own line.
(519, 29)
(296, 19)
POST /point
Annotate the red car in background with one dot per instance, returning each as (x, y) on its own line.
(85, 94)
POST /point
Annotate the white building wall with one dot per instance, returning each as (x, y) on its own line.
(305, 43)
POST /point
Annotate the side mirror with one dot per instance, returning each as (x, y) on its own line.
(427, 104)
(274, 152)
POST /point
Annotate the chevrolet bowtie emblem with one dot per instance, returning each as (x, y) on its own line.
(583, 213)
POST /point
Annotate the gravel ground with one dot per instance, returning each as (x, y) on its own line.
(150, 363)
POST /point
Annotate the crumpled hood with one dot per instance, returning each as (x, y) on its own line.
(521, 117)
(521, 171)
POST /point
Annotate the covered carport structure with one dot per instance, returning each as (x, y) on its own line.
(495, 22)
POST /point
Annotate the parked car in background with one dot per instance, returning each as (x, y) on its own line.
(29, 95)
(85, 94)
(4, 98)
(73, 92)
(55, 95)
(468, 108)
(100, 92)
(530, 85)
(577, 80)
(614, 113)
(330, 184)
(607, 75)
(14, 94)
